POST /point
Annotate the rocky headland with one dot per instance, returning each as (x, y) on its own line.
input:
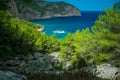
(41, 9)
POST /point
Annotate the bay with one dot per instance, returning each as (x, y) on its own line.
(60, 26)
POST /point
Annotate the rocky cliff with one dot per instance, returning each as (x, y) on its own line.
(38, 9)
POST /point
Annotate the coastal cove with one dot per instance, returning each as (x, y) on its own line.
(60, 26)
(58, 40)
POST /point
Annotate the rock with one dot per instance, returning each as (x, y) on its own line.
(13, 8)
(117, 76)
(41, 9)
(8, 75)
(41, 29)
(12, 63)
(32, 64)
(104, 71)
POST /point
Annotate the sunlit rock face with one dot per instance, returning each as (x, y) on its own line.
(104, 71)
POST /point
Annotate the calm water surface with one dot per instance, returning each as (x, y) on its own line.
(60, 26)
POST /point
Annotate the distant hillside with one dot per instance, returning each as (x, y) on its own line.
(38, 9)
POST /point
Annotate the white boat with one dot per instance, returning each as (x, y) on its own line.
(58, 31)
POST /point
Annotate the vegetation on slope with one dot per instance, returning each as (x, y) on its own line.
(18, 37)
(21, 37)
(83, 48)
(102, 45)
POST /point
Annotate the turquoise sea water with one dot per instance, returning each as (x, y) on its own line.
(60, 26)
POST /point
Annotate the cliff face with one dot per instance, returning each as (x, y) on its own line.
(13, 8)
(40, 9)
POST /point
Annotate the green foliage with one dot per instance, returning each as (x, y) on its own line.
(4, 34)
(101, 58)
(4, 4)
(21, 37)
(5, 51)
(96, 47)
(83, 48)
(86, 48)
(117, 63)
(110, 20)
(53, 44)
(109, 26)
(117, 6)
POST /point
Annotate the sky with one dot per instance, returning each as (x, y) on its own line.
(90, 5)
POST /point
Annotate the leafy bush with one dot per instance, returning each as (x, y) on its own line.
(96, 47)
(22, 37)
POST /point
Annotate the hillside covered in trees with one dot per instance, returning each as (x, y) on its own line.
(38, 9)
(81, 49)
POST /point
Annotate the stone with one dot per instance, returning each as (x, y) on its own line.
(8, 75)
(107, 71)
(28, 65)
(117, 76)
(104, 71)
